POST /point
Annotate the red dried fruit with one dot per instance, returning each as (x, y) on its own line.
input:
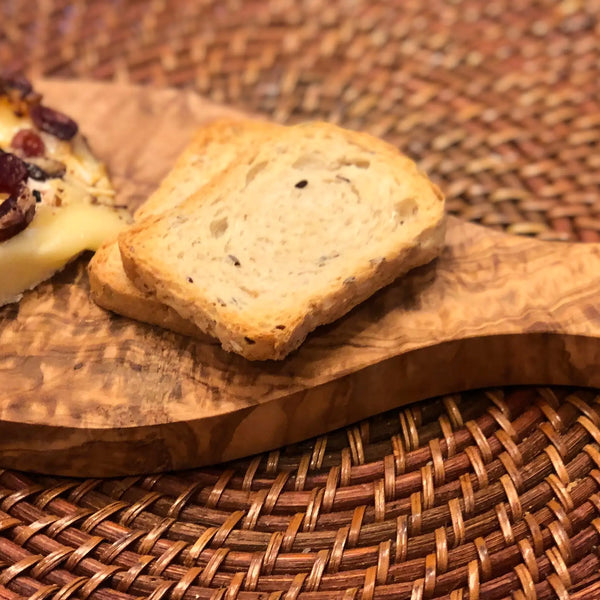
(28, 142)
(16, 212)
(53, 122)
(17, 82)
(13, 173)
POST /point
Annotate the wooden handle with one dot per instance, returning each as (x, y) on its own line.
(90, 393)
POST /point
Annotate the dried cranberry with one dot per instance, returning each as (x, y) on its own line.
(16, 212)
(53, 122)
(28, 142)
(17, 82)
(13, 172)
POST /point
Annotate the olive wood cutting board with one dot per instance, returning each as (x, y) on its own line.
(85, 392)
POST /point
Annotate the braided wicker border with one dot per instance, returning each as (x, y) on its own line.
(463, 497)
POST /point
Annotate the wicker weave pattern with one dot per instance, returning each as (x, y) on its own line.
(487, 495)
(468, 497)
(499, 100)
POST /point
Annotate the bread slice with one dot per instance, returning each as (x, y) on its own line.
(304, 228)
(211, 150)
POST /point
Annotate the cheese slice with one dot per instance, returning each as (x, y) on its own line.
(76, 211)
(51, 240)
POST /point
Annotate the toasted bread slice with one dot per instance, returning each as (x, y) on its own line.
(211, 150)
(302, 229)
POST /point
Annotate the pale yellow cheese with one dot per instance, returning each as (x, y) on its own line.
(52, 239)
(74, 213)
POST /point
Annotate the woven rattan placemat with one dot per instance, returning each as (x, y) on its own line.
(490, 494)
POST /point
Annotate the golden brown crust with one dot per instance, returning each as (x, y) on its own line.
(111, 289)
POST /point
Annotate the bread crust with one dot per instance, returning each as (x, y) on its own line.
(111, 289)
(145, 263)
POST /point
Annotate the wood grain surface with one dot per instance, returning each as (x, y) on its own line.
(85, 392)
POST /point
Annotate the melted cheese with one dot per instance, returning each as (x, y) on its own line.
(52, 239)
(74, 214)
(83, 170)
